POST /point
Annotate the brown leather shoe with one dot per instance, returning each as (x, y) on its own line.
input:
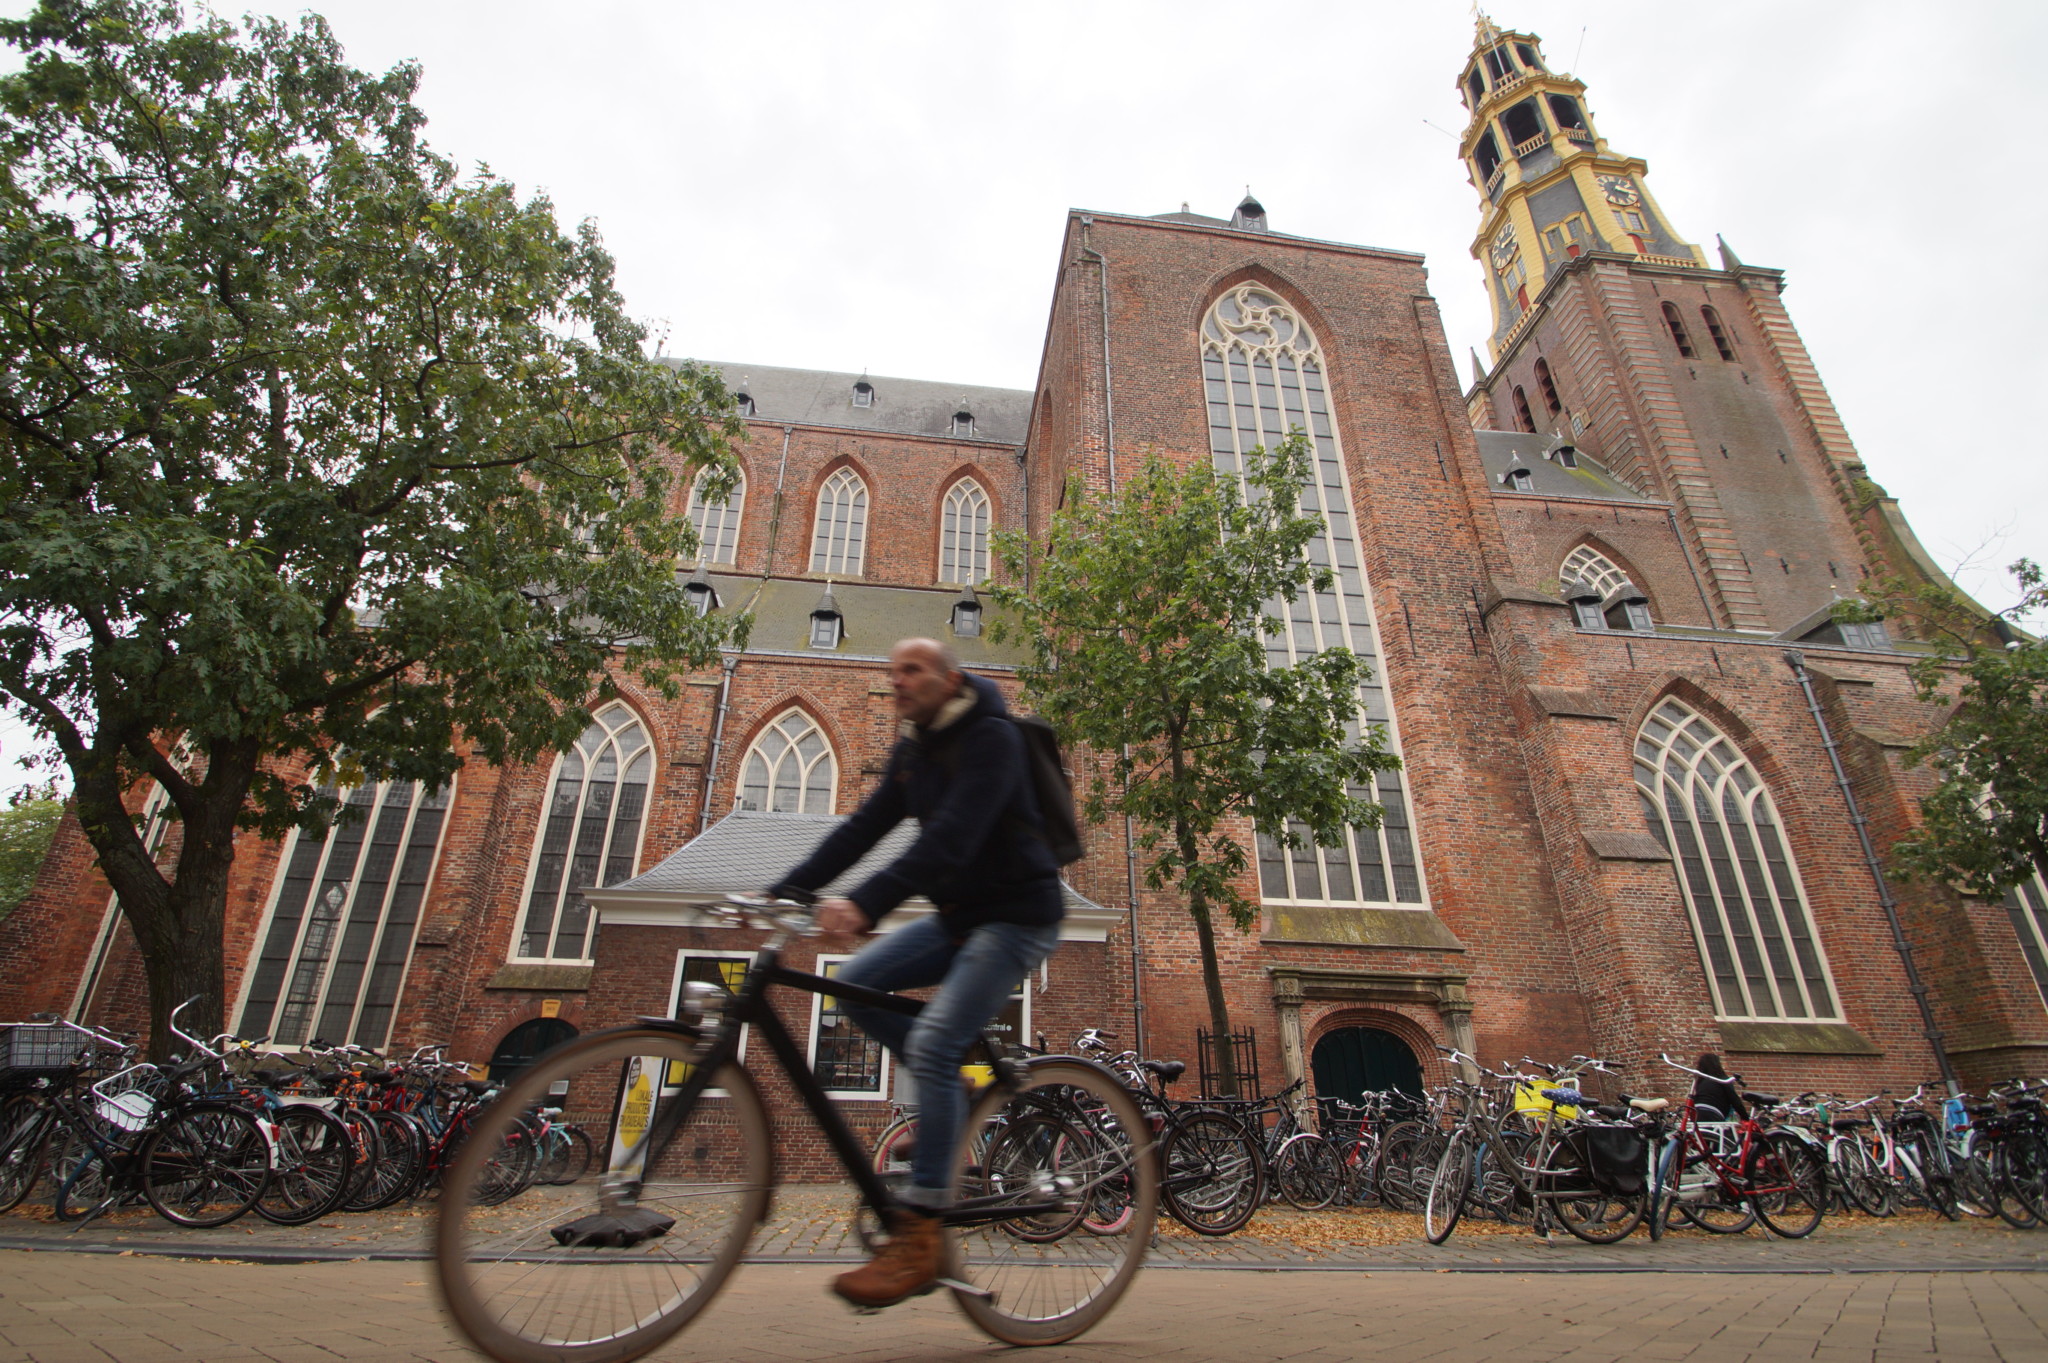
(908, 1265)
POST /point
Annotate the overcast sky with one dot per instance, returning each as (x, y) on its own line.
(882, 186)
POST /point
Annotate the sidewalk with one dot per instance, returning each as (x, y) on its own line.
(808, 1225)
(56, 1309)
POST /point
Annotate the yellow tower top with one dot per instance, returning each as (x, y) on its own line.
(1550, 189)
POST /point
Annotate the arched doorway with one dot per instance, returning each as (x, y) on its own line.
(526, 1043)
(1351, 1060)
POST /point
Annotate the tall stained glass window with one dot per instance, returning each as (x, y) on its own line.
(341, 932)
(839, 539)
(591, 835)
(1711, 810)
(963, 534)
(717, 523)
(1263, 372)
(790, 768)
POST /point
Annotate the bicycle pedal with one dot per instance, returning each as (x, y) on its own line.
(967, 1289)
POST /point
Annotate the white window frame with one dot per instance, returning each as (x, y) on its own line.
(880, 1092)
(831, 753)
(512, 954)
(684, 956)
(960, 543)
(1588, 565)
(730, 513)
(2027, 905)
(1741, 909)
(832, 552)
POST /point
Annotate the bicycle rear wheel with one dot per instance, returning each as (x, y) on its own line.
(1084, 1135)
(1308, 1172)
(609, 1266)
(1214, 1177)
(311, 1166)
(25, 1126)
(1592, 1214)
(400, 1147)
(1449, 1188)
(1860, 1179)
(1796, 1181)
(205, 1166)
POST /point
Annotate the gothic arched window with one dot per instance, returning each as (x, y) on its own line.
(2027, 904)
(839, 539)
(1548, 388)
(790, 768)
(1718, 332)
(1523, 421)
(1676, 324)
(717, 523)
(342, 924)
(1263, 373)
(1712, 812)
(1588, 565)
(963, 534)
(591, 835)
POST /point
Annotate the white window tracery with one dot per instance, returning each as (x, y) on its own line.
(839, 537)
(963, 534)
(790, 768)
(1713, 813)
(1263, 375)
(717, 523)
(1588, 565)
(346, 910)
(590, 835)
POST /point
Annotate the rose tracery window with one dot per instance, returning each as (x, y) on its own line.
(963, 534)
(1263, 373)
(839, 538)
(1713, 813)
(790, 768)
(591, 835)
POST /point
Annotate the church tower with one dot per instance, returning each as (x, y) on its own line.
(1550, 186)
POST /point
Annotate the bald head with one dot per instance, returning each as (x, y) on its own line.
(923, 675)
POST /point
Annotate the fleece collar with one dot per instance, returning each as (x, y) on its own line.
(949, 714)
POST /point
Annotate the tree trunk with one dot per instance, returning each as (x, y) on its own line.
(1212, 977)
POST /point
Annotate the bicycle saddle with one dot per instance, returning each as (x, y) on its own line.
(1167, 1070)
(479, 1087)
(1849, 1123)
(1761, 1099)
(264, 1077)
(1649, 1104)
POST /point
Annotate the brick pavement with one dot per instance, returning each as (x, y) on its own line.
(57, 1308)
(809, 1224)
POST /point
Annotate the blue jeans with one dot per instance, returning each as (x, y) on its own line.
(975, 980)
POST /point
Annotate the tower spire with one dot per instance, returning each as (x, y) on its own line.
(1551, 189)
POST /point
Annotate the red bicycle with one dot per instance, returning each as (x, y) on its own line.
(1712, 1168)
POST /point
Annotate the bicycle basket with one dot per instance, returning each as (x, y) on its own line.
(34, 1050)
(1529, 1099)
(127, 1101)
(1616, 1157)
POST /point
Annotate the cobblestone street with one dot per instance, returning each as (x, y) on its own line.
(1306, 1287)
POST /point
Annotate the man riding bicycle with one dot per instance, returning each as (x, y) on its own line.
(980, 856)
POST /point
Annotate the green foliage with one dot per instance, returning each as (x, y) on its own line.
(315, 452)
(1145, 617)
(26, 827)
(1985, 826)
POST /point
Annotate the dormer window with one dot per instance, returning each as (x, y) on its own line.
(828, 626)
(1250, 216)
(1628, 609)
(744, 403)
(967, 615)
(702, 596)
(1584, 600)
(1566, 456)
(963, 423)
(1518, 480)
(863, 394)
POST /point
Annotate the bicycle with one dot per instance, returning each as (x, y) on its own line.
(684, 1172)
(1724, 1172)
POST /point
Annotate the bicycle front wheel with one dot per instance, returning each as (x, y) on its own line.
(1794, 1185)
(1214, 1179)
(205, 1166)
(312, 1160)
(1034, 1275)
(614, 1263)
(1308, 1172)
(1449, 1188)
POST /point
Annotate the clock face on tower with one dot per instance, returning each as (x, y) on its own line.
(1503, 247)
(1619, 190)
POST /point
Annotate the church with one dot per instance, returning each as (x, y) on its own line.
(1595, 589)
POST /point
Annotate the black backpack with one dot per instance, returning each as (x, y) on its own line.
(1051, 782)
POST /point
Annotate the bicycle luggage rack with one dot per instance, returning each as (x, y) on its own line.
(30, 1051)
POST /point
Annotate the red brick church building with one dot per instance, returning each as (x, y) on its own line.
(1594, 589)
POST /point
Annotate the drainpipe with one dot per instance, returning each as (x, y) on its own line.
(1797, 661)
(1130, 829)
(731, 665)
(1685, 550)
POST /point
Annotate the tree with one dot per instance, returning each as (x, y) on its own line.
(1984, 826)
(316, 453)
(1146, 616)
(26, 827)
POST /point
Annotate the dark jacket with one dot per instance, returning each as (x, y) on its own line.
(979, 854)
(1721, 1093)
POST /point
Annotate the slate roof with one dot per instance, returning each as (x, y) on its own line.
(872, 618)
(1503, 450)
(824, 397)
(748, 850)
